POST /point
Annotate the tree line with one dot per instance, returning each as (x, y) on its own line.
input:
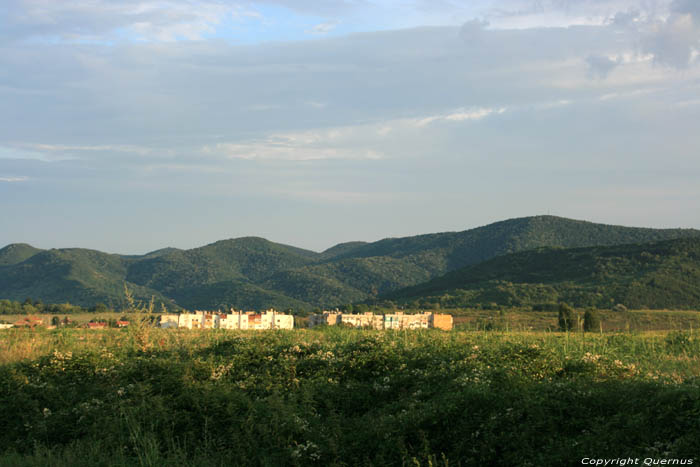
(33, 307)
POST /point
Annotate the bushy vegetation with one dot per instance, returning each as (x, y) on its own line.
(567, 318)
(255, 273)
(29, 307)
(345, 397)
(591, 321)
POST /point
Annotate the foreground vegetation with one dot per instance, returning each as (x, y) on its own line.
(335, 396)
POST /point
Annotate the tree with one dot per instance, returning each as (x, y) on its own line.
(100, 308)
(567, 318)
(361, 308)
(591, 321)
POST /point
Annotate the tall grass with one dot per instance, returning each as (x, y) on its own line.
(335, 396)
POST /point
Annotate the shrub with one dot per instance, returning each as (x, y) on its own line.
(591, 321)
(567, 317)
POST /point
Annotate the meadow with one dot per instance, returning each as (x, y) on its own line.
(335, 396)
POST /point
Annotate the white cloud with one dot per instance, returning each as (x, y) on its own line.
(65, 148)
(362, 141)
(323, 28)
(105, 20)
(674, 41)
(600, 66)
(13, 179)
(304, 146)
(460, 115)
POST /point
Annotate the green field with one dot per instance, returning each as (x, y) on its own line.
(337, 396)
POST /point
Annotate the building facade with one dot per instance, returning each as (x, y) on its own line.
(268, 319)
(397, 320)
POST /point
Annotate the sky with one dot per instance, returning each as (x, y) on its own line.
(132, 125)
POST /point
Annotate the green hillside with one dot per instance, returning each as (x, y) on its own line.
(252, 272)
(340, 249)
(235, 293)
(16, 253)
(75, 275)
(653, 275)
(444, 252)
(249, 258)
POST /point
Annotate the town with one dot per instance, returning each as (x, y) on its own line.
(268, 319)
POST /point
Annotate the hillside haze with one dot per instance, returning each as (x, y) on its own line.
(252, 272)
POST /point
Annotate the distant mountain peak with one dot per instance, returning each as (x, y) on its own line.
(15, 253)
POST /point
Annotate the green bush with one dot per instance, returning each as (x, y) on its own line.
(591, 321)
(567, 317)
(338, 397)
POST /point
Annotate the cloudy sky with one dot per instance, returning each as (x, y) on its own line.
(131, 125)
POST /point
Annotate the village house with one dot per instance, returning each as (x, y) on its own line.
(29, 322)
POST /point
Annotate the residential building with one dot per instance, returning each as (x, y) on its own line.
(167, 320)
(364, 320)
(398, 320)
(268, 319)
(329, 318)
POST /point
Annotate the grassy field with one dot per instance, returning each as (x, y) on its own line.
(634, 320)
(335, 396)
(77, 318)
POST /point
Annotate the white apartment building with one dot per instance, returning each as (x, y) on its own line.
(269, 319)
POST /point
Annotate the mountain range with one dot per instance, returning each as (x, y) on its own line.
(252, 272)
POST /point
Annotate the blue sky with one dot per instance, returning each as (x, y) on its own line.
(132, 125)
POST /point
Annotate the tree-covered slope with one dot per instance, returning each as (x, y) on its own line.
(249, 258)
(341, 249)
(79, 276)
(251, 270)
(656, 275)
(16, 253)
(447, 251)
(234, 293)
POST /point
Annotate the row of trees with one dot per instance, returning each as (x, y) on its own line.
(33, 307)
(569, 319)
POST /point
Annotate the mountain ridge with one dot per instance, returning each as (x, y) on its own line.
(663, 274)
(252, 270)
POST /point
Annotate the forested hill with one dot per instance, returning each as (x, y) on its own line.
(16, 253)
(254, 272)
(458, 249)
(652, 275)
